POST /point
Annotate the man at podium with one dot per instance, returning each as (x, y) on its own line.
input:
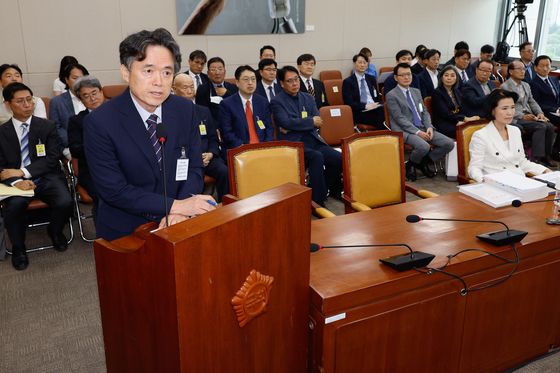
(124, 139)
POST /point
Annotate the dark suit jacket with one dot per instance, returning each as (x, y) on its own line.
(203, 77)
(287, 110)
(76, 146)
(528, 77)
(426, 83)
(444, 113)
(234, 122)
(206, 90)
(60, 111)
(209, 142)
(319, 92)
(261, 91)
(124, 166)
(473, 97)
(351, 92)
(40, 167)
(542, 93)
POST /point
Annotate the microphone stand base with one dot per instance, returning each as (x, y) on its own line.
(404, 262)
(553, 221)
(501, 238)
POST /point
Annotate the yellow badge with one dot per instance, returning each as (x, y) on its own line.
(304, 114)
(202, 128)
(322, 97)
(260, 124)
(40, 148)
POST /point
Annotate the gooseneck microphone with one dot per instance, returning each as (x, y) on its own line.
(161, 135)
(402, 262)
(517, 203)
(497, 238)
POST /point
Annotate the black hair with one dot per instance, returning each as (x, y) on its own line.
(365, 51)
(461, 45)
(6, 66)
(214, 60)
(304, 58)
(523, 45)
(446, 69)
(241, 69)
(267, 62)
(267, 47)
(68, 69)
(430, 53)
(485, 60)
(462, 52)
(65, 61)
(494, 98)
(282, 72)
(198, 54)
(10, 90)
(537, 60)
(403, 52)
(402, 65)
(419, 49)
(487, 48)
(356, 56)
(133, 47)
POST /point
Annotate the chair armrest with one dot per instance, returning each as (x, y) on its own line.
(358, 206)
(422, 193)
(320, 211)
(228, 198)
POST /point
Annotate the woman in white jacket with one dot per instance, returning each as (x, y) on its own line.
(498, 146)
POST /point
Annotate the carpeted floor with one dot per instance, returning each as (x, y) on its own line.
(49, 313)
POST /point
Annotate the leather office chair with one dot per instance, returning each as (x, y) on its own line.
(255, 168)
(373, 171)
(428, 105)
(110, 91)
(333, 90)
(464, 133)
(337, 123)
(329, 75)
(231, 80)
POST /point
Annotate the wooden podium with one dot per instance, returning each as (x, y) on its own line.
(227, 291)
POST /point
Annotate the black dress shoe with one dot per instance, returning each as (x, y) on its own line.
(19, 260)
(410, 171)
(425, 168)
(59, 241)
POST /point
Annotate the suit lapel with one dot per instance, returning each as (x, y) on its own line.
(13, 141)
(498, 142)
(68, 103)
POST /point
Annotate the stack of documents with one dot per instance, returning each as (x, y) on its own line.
(7, 191)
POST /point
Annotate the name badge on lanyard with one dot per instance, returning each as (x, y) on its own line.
(182, 171)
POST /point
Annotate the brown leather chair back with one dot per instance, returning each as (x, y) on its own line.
(338, 123)
(110, 91)
(329, 75)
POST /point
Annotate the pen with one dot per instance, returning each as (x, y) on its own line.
(209, 201)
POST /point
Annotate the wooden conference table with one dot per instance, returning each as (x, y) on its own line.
(366, 317)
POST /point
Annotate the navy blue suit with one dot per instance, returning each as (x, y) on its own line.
(473, 97)
(445, 114)
(235, 131)
(426, 83)
(123, 163)
(318, 91)
(542, 93)
(206, 90)
(216, 168)
(261, 92)
(323, 162)
(351, 97)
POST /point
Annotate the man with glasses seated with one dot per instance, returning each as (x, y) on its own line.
(527, 53)
(409, 116)
(30, 149)
(476, 89)
(297, 119)
(212, 93)
(88, 89)
(306, 66)
(267, 86)
(529, 117)
(245, 117)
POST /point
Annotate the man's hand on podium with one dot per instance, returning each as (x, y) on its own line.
(196, 205)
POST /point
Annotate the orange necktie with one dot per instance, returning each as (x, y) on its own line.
(253, 138)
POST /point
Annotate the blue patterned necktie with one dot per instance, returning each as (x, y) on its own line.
(152, 123)
(363, 92)
(198, 82)
(24, 145)
(415, 117)
(270, 92)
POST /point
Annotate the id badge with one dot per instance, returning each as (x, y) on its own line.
(202, 128)
(304, 114)
(182, 171)
(260, 124)
(40, 149)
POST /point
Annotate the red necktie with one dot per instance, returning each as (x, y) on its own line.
(253, 138)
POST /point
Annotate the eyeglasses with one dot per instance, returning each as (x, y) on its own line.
(248, 79)
(405, 75)
(308, 63)
(216, 70)
(25, 100)
(292, 81)
(270, 69)
(90, 96)
(485, 71)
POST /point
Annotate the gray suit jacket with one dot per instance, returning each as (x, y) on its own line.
(61, 109)
(401, 115)
(527, 101)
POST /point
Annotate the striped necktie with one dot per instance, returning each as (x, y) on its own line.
(310, 89)
(24, 145)
(152, 123)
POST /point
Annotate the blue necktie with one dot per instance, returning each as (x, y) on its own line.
(152, 123)
(464, 76)
(198, 82)
(415, 117)
(363, 92)
(270, 92)
(24, 145)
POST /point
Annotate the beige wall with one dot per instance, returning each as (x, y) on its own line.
(36, 33)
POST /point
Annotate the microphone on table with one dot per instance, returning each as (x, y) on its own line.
(402, 262)
(497, 238)
(161, 135)
(517, 203)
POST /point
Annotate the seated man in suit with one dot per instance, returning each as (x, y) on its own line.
(125, 159)
(66, 105)
(245, 117)
(402, 56)
(529, 117)
(29, 153)
(212, 93)
(214, 165)
(546, 89)
(474, 92)
(89, 90)
(429, 76)
(359, 91)
(459, 45)
(12, 74)
(306, 66)
(409, 116)
(268, 86)
(267, 52)
(197, 60)
(297, 119)
(462, 63)
(527, 52)
(418, 63)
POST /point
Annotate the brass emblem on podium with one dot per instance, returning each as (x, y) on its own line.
(251, 300)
